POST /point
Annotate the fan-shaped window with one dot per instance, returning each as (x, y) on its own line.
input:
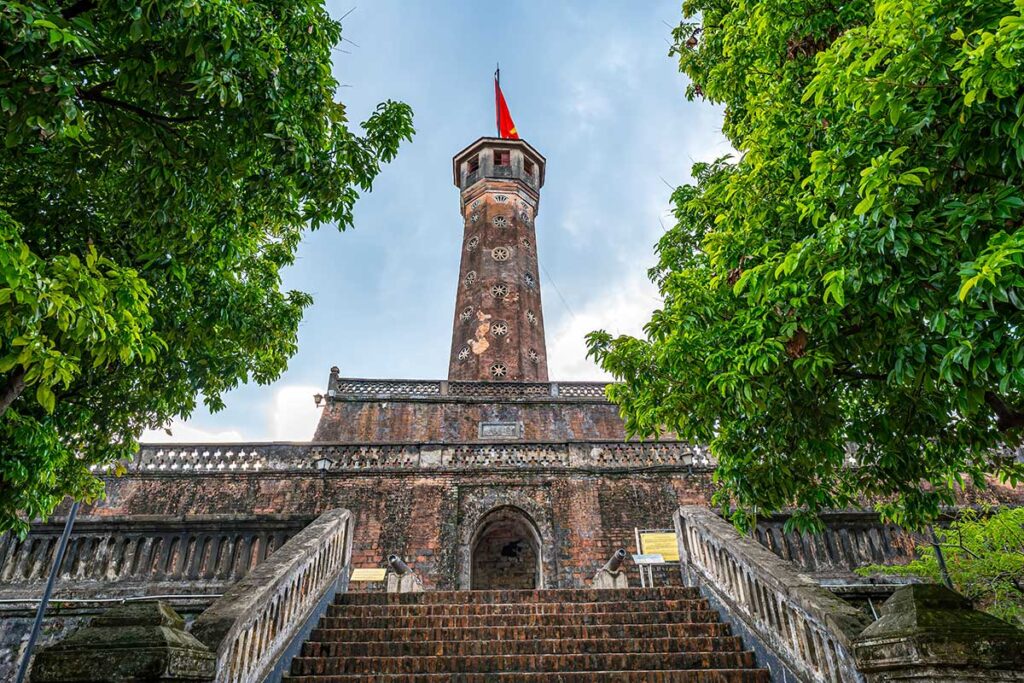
(502, 198)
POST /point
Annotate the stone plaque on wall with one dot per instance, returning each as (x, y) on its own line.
(500, 430)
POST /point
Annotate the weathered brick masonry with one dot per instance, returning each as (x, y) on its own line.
(430, 517)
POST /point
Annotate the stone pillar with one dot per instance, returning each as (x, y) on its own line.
(135, 642)
(929, 634)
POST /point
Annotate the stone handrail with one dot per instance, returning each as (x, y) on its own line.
(252, 625)
(849, 540)
(238, 458)
(350, 388)
(133, 556)
(805, 626)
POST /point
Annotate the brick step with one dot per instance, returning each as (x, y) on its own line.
(514, 608)
(716, 676)
(552, 595)
(512, 633)
(464, 648)
(303, 666)
(477, 620)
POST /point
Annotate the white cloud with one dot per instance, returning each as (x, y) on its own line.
(293, 414)
(182, 432)
(622, 308)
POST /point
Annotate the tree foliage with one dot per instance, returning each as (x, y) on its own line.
(984, 555)
(855, 274)
(161, 161)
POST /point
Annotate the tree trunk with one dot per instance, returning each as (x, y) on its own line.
(12, 390)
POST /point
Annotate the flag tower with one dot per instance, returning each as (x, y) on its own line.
(498, 327)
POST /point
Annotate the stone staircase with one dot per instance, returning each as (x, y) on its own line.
(636, 634)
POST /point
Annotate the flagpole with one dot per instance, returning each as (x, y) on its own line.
(497, 87)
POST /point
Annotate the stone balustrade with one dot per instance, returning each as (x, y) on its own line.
(202, 459)
(848, 541)
(344, 388)
(131, 557)
(253, 626)
(805, 626)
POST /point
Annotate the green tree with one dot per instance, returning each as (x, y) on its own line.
(855, 274)
(161, 162)
(985, 558)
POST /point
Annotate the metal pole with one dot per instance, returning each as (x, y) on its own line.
(58, 560)
(940, 558)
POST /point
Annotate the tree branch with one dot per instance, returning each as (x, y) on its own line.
(12, 390)
(1006, 417)
(94, 96)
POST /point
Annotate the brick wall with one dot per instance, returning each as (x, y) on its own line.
(459, 422)
(431, 519)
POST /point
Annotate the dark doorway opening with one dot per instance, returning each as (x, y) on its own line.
(506, 552)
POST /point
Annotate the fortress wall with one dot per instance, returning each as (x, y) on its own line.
(388, 421)
(429, 518)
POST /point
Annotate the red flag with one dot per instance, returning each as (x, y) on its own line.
(506, 127)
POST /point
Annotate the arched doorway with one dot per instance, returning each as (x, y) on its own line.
(506, 552)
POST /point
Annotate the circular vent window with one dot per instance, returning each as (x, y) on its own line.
(466, 314)
(500, 253)
(531, 317)
(472, 242)
(499, 329)
(528, 279)
(534, 356)
(499, 291)
(475, 217)
(500, 222)
(499, 371)
(464, 353)
(470, 277)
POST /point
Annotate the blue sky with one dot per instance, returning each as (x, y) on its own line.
(590, 85)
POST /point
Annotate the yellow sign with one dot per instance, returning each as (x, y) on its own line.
(661, 544)
(369, 574)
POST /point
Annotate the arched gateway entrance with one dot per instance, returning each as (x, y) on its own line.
(506, 552)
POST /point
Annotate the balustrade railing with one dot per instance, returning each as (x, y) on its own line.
(131, 557)
(346, 388)
(805, 626)
(260, 618)
(239, 458)
(849, 540)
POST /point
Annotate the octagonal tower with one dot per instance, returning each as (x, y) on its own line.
(498, 333)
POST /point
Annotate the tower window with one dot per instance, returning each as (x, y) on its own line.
(499, 371)
(527, 167)
(502, 157)
(473, 164)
